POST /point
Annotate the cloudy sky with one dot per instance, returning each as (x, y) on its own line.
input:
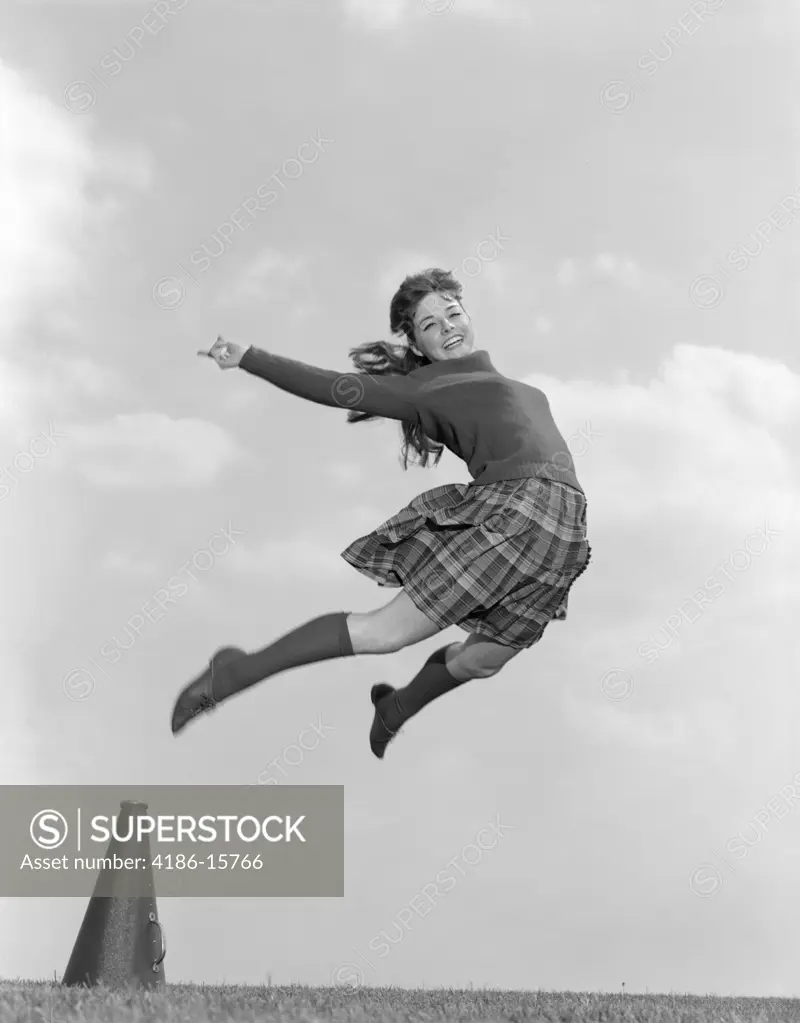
(617, 186)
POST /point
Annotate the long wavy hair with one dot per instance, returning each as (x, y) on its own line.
(383, 358)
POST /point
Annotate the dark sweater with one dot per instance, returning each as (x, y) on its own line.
(501, 428)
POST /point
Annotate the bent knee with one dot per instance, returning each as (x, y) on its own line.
(483, 663)
(475, 669)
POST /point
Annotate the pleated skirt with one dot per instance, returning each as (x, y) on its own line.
(498, 560)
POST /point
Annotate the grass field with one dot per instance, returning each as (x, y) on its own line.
(30, 1002)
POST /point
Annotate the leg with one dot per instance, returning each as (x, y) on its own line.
(445, 670)
(340, 634)
(478, 657)
(388, 629)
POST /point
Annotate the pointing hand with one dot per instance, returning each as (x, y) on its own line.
(226, 354)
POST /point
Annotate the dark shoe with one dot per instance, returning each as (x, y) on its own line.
(380, 735)
(198, 696)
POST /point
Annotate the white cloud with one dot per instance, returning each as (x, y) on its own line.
(691, 463)
(41, 210)
(42, 213)
(762, 390)
(150, 450)
(702, 437)
(45, 162)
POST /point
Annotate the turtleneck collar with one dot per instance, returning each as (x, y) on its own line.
(479, 359)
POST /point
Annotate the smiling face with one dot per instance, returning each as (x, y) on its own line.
(442, 329)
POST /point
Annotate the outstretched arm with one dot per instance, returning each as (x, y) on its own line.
(392, 395)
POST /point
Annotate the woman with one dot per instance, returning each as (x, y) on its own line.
(496, 557)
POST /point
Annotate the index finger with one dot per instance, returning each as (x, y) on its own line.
(208, 353)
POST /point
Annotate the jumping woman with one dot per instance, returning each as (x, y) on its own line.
(496, 557)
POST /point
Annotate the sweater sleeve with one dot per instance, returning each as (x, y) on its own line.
(391, 395)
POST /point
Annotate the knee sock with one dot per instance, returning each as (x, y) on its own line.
(432, 681)
(320, 639)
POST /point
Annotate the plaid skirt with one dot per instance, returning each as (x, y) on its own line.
(497, 560)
